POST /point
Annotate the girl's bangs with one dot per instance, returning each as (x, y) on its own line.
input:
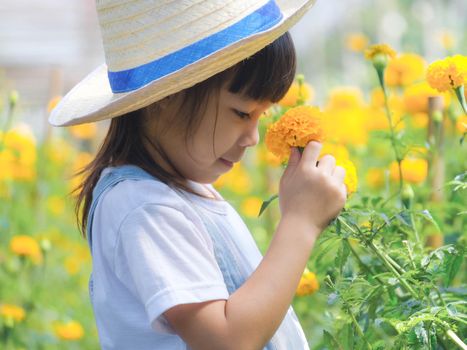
(268, 74)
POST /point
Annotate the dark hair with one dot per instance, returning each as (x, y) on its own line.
(265, 76)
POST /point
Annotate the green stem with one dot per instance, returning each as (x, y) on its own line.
(391, 126)
(456, 339)
(385, 261)
(414, 227)
(409, 249)
(362, 264)
(350, 313)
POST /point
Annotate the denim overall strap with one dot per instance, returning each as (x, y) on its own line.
(109, 180)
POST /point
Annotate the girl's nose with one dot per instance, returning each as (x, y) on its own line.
(250, 137)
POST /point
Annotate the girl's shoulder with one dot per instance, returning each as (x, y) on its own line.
(132, 192)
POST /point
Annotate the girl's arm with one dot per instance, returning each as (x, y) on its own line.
(310, 196)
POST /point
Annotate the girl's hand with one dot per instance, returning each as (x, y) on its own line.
(311, 191)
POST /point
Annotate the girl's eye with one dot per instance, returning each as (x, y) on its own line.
(242, 115)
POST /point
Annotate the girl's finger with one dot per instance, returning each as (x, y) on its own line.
(311, 152)
(327, 164)
(339, 173)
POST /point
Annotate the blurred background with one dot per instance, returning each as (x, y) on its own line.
(47, 46)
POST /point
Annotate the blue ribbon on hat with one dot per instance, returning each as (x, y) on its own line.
(131, 79)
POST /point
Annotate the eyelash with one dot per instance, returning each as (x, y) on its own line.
(242, 115)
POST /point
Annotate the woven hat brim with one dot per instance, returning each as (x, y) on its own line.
(92, 99)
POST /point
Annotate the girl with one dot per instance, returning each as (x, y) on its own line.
(174, 266)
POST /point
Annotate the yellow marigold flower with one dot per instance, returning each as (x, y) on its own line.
(405, 70)
(296, 128)
(308, 284)
(413, 170)
(250, 207)
(345, 97)
(26, 246)
(18, 156)
(346, 126)
(448, 73)
(56, 205)
(416, 97)
(377, 119)
(356, 42)
(84, 131)
(461, 124)
(336, 150)
(236, 180)
(297, 92)
(344, 118)
(351, 180)
(71, 330)
(380, 49)
(14, 312)
(53, 103)
(375, 178)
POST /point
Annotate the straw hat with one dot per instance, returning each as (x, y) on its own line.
(156, 48)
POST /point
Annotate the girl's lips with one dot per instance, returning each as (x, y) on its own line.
(226, 162)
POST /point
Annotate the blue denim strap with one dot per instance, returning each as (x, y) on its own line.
(109, 180)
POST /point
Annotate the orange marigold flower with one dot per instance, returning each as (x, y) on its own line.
(71, 330)
(308, 284)
(297, 92)
(448, 73)
(405, 69)
(16, 313)
(296, 128)
(26, 246)
(413, 170)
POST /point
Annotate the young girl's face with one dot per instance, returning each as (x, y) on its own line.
(216, 145)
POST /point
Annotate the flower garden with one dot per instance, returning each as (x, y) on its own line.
(388, 273)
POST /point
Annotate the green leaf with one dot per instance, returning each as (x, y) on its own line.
(266, 204)
(342, 255)
(453, 265)
(330, 341)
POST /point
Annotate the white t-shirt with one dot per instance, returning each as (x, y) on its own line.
(151, 251)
